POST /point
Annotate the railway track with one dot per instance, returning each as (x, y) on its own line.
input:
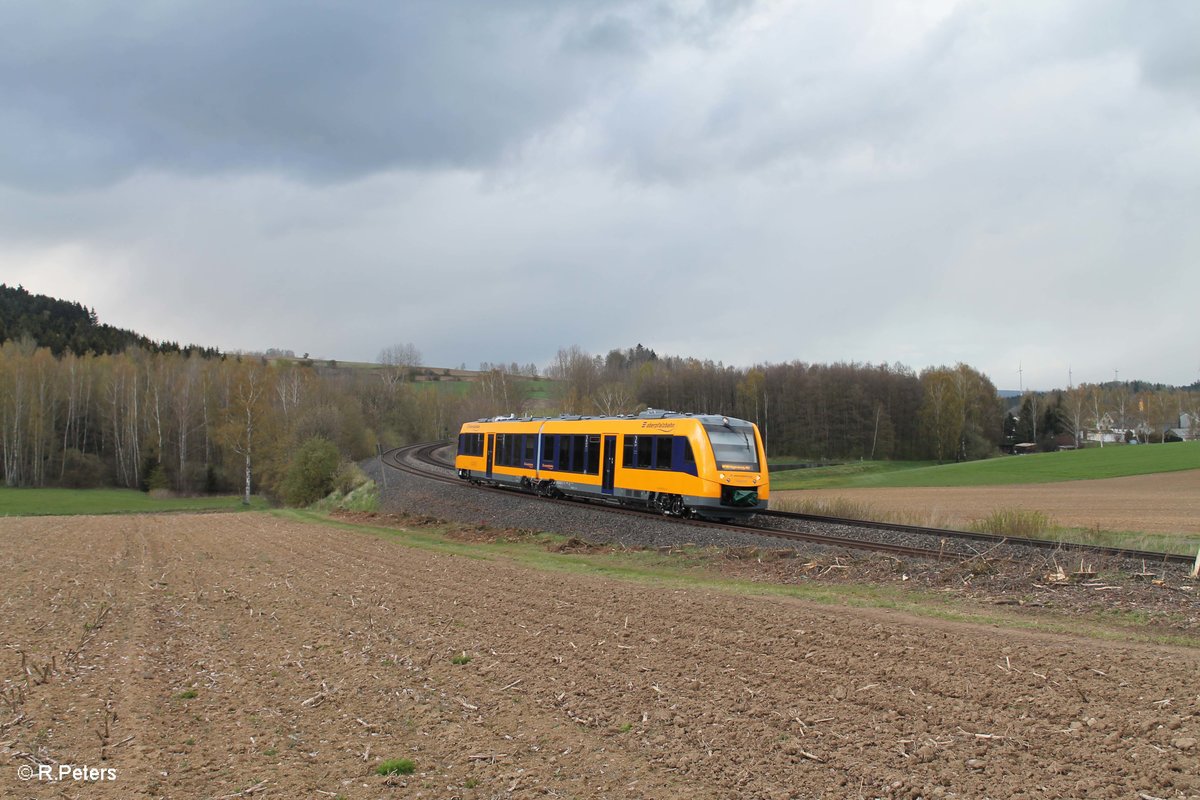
(1148, 556)
(430, 468)
(945, 544)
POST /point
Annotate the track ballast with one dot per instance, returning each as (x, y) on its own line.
(894, 540)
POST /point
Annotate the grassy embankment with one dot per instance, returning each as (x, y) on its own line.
(53, 502)
(1040, 468)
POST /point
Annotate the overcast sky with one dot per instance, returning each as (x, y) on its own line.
(1006, 184)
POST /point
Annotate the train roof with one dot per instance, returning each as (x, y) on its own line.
(649, 413)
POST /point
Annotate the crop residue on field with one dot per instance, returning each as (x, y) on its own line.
(218, 656)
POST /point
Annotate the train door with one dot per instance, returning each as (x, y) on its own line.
(610, 465)
(491, 452)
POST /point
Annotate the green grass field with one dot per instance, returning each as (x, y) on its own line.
(837, 476)
(1068, 465)
(51, 502)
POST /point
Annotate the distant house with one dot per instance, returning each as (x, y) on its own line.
(1188, 430)
(1104, 432)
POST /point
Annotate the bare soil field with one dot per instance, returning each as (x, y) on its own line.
(246, 655)
(1167, 502)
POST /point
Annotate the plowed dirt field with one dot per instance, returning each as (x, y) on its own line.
(1166, 502)
(249, 656)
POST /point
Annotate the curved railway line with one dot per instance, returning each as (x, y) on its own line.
(419, 460)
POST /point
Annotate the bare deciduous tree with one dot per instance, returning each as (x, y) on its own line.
(615, 398)
(400, 355)
(248, 405)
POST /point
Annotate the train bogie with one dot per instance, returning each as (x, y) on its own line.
(677, 464)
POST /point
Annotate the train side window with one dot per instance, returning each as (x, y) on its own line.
(629, 447)
(578, 455)
(549, 442)
(645, 452)
(662, 456)
(530, 448)
(593, 455)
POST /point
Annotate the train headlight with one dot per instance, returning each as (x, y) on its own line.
(757, 478)
(721, 475)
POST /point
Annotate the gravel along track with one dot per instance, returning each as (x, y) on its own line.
(598, 524)
(461, 502)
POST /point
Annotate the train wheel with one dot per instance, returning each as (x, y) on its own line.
(676, 506)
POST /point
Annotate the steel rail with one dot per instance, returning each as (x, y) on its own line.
(1148, 556)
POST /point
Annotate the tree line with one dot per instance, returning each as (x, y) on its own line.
(872, 411)
(813, 411)
(1132, 411)
(179, 421)
(239, 423)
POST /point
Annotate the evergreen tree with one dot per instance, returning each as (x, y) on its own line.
(66, 327)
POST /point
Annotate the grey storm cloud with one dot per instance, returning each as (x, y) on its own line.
(330, 91)
(1002, 183)
(323, 90)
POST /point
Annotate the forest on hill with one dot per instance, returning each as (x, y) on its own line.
(146, 415)
(66, 327)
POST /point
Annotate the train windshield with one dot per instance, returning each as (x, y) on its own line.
(733, 446)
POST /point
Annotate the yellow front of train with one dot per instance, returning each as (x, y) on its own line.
(735, 469)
